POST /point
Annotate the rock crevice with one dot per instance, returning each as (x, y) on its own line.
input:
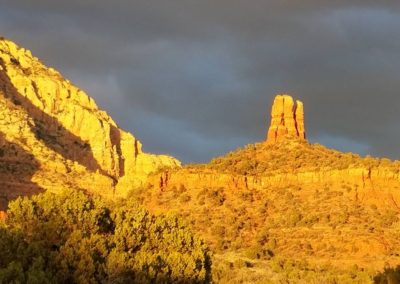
(287, 119)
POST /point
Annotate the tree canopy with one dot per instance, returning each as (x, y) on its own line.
(70, 237)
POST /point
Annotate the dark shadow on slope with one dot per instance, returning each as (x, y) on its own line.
(49, 130)
(17, 167)
(388, 276)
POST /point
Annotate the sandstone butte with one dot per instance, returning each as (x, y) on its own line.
(287, 131)
(52, 135)
(346, 206)
(287, 119)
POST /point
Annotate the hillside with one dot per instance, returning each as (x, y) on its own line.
(288, 209)
(53, 135)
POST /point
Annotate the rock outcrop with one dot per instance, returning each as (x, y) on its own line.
(59, 129)
(287, 119)
(3, 215)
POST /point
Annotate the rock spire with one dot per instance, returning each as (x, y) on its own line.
(287, 119)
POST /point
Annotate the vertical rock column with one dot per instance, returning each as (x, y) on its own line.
(287, 119)
(299, 117)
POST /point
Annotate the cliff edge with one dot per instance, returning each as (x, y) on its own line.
(55, 125)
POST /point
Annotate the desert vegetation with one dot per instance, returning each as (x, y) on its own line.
(335, 231)
(291, 156)
(74, 238)
(288, 234)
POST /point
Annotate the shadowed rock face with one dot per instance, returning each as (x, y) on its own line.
(17, 166)
(287, 119)
(75, 144)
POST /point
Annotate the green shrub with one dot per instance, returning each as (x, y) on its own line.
(72, 238)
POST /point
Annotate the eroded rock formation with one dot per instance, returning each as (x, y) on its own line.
(57, 129)
(287, 119)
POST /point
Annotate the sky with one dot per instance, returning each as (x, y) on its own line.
(196, 79)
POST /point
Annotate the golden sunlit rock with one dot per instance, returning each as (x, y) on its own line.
(287, 119)
(67, 139)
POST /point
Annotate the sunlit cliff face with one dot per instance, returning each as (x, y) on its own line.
(53, 134)
(287, 119)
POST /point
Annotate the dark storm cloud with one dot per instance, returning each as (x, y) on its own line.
(196, 78)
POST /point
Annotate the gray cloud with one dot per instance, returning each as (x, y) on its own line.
(196, 78)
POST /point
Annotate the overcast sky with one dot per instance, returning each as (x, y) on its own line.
(196, 78)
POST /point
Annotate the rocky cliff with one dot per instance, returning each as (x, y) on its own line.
(56, 130)
(289, 199)
(287, 119)
(287, 159)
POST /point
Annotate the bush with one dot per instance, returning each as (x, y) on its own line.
(72, 238)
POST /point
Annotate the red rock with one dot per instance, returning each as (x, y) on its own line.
(287, 119)
(3, 215)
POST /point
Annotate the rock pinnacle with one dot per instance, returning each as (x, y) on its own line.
(287, 119)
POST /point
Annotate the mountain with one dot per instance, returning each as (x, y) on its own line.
(282, 210)
(285, 206)
(53, 135)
